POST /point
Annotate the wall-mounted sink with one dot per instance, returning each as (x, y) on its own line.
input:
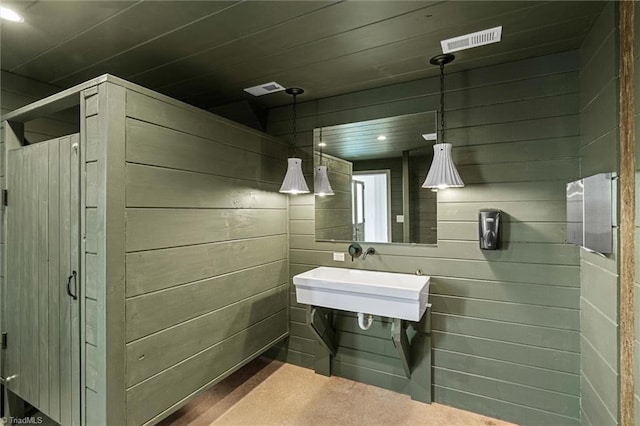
(387, 294)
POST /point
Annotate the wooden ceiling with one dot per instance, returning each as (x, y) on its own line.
(206, 52)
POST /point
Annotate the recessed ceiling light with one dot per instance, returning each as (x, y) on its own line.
(264, 89)
(382, 137)
(468, 41)
(10, 15)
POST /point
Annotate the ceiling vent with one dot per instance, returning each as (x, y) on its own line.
(264, 89)
(468, 41)
(430, 136)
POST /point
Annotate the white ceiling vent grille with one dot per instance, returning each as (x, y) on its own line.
(264, 89)
(468, 41)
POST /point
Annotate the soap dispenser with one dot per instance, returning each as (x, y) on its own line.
(489, 229)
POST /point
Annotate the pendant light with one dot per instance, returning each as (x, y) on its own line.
(321, 185)
(443, 173)
(294, 182)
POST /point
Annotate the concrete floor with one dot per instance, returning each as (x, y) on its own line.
(272, 393)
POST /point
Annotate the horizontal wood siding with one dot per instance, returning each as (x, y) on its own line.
(506, 324)
(599, 274)
(207, 251)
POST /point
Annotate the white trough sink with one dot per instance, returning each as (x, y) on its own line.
(386, 294)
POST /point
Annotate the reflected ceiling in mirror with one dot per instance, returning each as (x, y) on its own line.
(376, 169)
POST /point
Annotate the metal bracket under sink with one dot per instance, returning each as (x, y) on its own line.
(318, 319)
(401, 340)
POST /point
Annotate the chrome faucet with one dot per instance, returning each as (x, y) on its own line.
(369, 251)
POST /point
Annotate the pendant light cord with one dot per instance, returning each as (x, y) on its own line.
(294, 124)
(442, 102)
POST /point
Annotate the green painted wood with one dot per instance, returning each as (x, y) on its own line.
(188, 301)
(538, 232)
(65, 272)
(562, 297)
(593, 407)
(601, 66)
(55, 300)
(401, 343)
(532, 150)
(599, 287)
(92, 403)
(498, 408)
(91, 280)
(42, 187)
(291, 356)
(552, 211)
(301, 329)
(361, 341)
(301, 344)
(544, 337)
(506, 391)
(390, 365)
(91, 197)
(599, 122)
(154, 145)
(91, 322)
(161, 228)
(505, 371)
(509, 312)
(44, 179)
(92, 138)
(608, 262)
(506, 351)
(203, 124)
(92, 368)
(601, 333)
(604, 380)
(91, 243)
(421, 358)
(375, 377)
(110, 245)
(150, 398)
(323, 331)
(600, 154)
(157, 187)
(154, 354)
(600, 116)
(159, 269)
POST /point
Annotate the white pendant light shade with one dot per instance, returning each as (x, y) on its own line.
(443, 173)
(294, 182)
(321, 185)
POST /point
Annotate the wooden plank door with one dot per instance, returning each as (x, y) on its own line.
(42, 287)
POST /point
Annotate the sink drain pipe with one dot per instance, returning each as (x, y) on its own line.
(364, 320)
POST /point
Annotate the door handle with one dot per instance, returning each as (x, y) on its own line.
(73, 277)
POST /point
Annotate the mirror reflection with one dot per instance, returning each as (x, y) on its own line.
(376, 169)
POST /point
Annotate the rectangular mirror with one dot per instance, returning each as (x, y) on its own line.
(376, 169)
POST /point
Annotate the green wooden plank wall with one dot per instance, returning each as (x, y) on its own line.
(506, 324)
(599, 274)
(206, 251)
